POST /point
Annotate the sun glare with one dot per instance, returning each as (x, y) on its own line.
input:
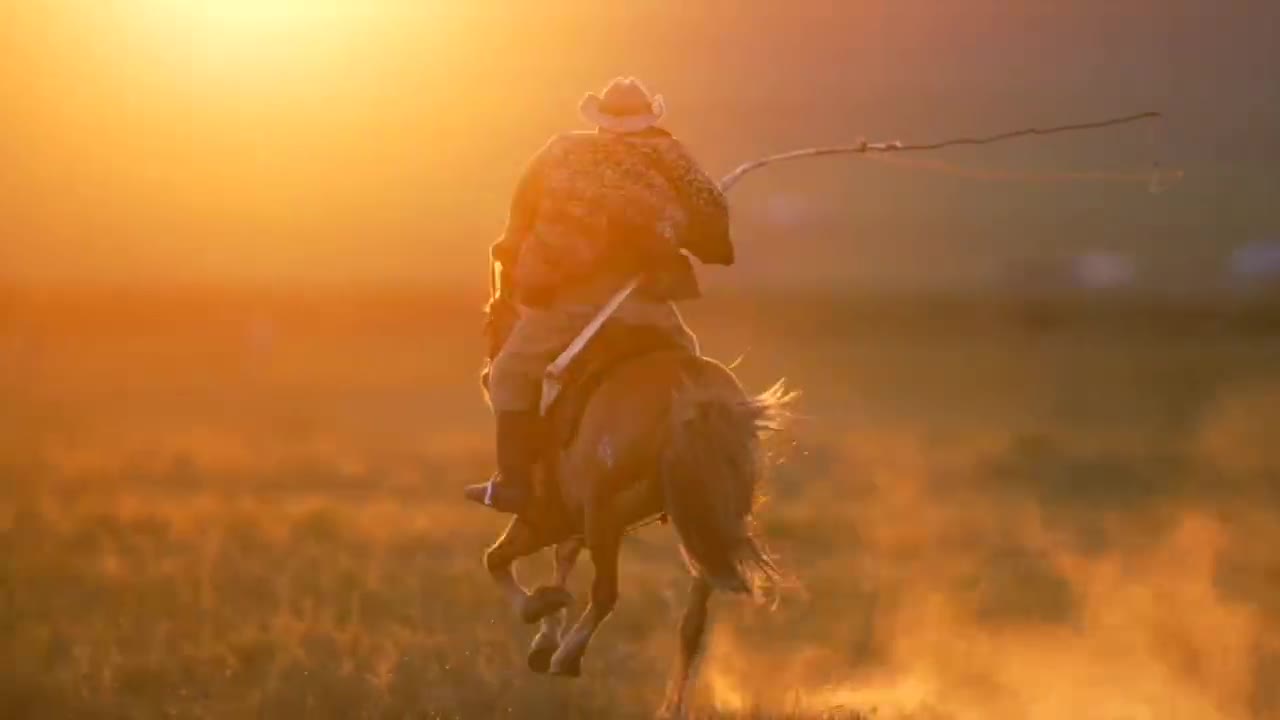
(240, 25)
(256, 30)
(250, 17)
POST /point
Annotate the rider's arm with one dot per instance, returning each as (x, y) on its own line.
(708, 231)
(522, 212)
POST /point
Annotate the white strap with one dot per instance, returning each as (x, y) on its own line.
(554, 375)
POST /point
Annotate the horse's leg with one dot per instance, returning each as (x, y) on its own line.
(604, 538)
(693, 626)
(519, 540)
(547, 641)
(548, 600)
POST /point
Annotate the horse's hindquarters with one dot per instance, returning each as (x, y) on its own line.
(614, 454)
(672, 433)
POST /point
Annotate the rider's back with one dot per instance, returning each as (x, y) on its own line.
(601, 207)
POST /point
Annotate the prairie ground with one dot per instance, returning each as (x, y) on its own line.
(246, 506)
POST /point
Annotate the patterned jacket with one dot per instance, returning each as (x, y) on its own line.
(592, 209)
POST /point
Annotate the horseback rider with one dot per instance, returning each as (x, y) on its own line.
(591, 210)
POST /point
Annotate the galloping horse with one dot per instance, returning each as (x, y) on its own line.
(643, 429)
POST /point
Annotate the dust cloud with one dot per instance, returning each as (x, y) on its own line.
(1029, 577)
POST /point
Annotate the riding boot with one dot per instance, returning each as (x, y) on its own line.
(511, 488)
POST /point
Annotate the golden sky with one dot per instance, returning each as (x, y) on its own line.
(377, 140)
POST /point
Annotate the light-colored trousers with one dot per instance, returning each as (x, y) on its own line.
(541, 334)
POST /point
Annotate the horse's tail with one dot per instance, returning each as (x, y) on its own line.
(711, 470)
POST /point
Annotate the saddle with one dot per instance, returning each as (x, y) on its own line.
(616, 344)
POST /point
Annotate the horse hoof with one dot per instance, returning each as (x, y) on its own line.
(540, 658)
(544, 601)
(568, 668)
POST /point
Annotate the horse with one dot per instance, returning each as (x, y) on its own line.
(643, 430)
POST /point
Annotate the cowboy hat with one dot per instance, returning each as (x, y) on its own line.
(623, 107)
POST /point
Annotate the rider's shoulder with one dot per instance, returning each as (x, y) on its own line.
(571, 144)
(571, 139)
(560, 145)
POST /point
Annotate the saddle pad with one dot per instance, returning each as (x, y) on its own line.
(617, 343)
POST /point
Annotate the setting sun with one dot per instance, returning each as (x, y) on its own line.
(238, 138)
(247, 39)
(254, 16)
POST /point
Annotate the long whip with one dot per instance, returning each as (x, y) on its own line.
(554, 375)
(894, 147)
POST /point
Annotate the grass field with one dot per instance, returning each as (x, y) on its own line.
(247, 506)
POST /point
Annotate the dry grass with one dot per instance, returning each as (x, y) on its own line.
(254, 513)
